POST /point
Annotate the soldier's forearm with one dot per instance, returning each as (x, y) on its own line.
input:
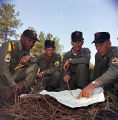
(107, 77)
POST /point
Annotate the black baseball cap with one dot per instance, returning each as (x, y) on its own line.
(77, 36)
(101, 37)
(31, 34)
(49, 43)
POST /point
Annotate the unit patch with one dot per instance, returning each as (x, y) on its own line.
(115, 60)
(8, 57)
(57, 63)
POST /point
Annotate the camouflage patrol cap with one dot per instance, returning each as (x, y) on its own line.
(77, 36)
(31, 34)
(101, 37)
(49, 43)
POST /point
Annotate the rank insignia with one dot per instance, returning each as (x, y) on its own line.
(10, 46)
(115, 60)
(57, 63)
(8, 57)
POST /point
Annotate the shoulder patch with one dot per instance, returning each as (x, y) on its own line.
(57, 63)
(115, 60)
(8, 57)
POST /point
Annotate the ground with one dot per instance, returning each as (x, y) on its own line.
(47, 108)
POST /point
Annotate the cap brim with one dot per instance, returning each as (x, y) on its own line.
(36, 39)
(97, 42)
(93, 42)
(76, 40)
(31, 37)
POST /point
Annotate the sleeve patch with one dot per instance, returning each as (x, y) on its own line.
(57, 63)
(8, 57)
(115, 60)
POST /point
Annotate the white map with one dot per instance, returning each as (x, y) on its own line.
(67, 99)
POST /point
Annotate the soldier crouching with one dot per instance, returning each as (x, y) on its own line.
(18, 68)
(49, 68)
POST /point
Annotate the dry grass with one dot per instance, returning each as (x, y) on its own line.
(47, 108)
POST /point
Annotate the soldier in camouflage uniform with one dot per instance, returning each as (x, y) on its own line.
(106, 65)
(16, 65)
(49, 68)
(76, 64)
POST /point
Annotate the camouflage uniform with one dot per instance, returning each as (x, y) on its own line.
(10, 73)
(78, 70)
(51, 72)
(106, 68)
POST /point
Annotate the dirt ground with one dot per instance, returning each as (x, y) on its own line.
(47, 108)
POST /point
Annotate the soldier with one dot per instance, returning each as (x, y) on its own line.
(16, 65)
(49, 68)
(76, 64)
(106, 64)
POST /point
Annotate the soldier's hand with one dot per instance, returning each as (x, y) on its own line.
(66, 78)
(40, 75)
(25, 59)
(87, 91)
(66, 65)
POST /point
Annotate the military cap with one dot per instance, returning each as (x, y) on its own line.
(77, 36)
(31, 34)
(49, 43)
(101, 37)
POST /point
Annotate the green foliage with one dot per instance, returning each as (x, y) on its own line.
(91, 66)
(39, 46)
(59, 47)
(31, 28)
(62, 55)
(91, 72)
(8, 22)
